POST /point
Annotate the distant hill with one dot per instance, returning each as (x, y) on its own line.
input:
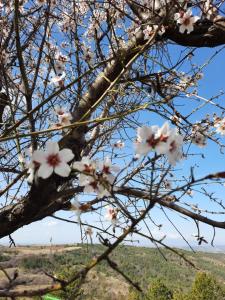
(141, 264)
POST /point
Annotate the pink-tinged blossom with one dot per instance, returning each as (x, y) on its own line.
(63, 116)
(86, 165)
(76, 206)
(58, 80)
(53, 160)
(152, 138)
(111, 214)
(65, 119)
(93, 186)
(150, 30)
(174, 152)
(162, 140)
(61, 58)
(198, 139)
(107, 169)
(220, 126)
(186, 21)
(119, 144)
(89, 231)
(96, 177)
(216, 120)
(145, 139)
(59, 110)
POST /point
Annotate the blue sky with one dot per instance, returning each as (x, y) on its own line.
(60, 232)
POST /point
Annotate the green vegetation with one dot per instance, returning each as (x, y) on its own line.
(164, 276)
(4, 257)
(33, 263)
(204, 287)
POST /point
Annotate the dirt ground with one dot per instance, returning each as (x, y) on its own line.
(24, 279)
(35, 250)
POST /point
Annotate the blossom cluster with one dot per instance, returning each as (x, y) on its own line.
(64, 117)
(219, 124)
(197, 136)
(111, 214)
(150, 29)
(99, 176)
(96, 176)
(59, 69)
(163, 140)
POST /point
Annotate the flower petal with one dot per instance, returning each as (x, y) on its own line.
(84, 179)
(62, 170)
(110, 178)
(30, 178)
(45, 171)
(78, 165)
(190, 28)
(182, 28)
(52, 147)
(39, 156)
(194, 19)
(66, 155)
(144, 133)
(142, 148)
(89, 189)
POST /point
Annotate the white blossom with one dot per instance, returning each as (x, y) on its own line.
(58, 80)
(76, 206)
(111, 214)
(162, 140)
(93, 186)
(119, 144)
(85, 165)
(186, 21)
(59, 110)
(89, 231)
(150, 29)
(53, 160)
(145, 139)
(65, 119)
(107, 169)
(198, 139)
(220, 126)
(96, 177)
(174, 152)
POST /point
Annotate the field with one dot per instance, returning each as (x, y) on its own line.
(33, 265)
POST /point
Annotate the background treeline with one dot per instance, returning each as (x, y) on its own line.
(204, 287)
(178, 280)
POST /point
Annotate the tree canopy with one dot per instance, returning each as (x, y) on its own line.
(99, 112)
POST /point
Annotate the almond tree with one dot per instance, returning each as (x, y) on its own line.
(80, 83)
